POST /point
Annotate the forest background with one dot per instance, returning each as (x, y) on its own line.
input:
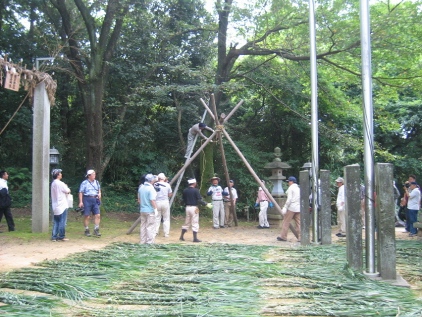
(130, 75)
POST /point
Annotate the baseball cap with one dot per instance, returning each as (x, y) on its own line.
(149, 178)
(89, 172)
(292, 179)
(339, 180)
(161, 176)
(191, 181)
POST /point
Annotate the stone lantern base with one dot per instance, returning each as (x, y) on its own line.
(274, 217)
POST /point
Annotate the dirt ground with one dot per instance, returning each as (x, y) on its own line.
(22, 253)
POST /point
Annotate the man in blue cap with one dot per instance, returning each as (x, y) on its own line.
(228, 203)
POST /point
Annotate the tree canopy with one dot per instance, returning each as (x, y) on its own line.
(130, 76)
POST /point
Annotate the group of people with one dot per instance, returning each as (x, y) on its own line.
(154, 195)
(155, 192)
(411, 201)
(222, 202)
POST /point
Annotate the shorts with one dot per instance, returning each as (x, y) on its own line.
(91, 206)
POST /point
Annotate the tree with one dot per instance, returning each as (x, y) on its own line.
(89, 40)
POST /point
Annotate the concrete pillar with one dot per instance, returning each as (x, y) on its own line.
(325, 206)
(385, 219)
(40, 160)
(353, 217)
(305, 215)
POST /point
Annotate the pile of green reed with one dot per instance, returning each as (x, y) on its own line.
(126, 280)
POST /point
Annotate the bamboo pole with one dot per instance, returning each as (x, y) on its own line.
(206, 107)
(223, 159)
(258, 180)
(233, 111)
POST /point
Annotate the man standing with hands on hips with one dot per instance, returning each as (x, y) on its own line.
(90, 201)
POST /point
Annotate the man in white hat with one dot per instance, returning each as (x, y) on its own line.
(163, 205)
(341, 210)
(217, 193)
(191, 198)
(90, 201)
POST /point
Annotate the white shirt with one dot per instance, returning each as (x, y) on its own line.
(216, 192)
(414, 199)
(293, 198)
(164, 192)
(59, 191)
(3, 184)
(340, 198)
(234, 194)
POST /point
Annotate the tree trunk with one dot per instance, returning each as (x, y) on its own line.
(92, 99)
(91, 70)
(207, 168)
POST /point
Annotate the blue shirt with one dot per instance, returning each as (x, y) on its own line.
(146, 193)
(90, 189)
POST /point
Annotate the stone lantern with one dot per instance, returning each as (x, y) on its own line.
(277, 178)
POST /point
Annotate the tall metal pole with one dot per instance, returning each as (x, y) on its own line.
(314, 121)
(368, 136)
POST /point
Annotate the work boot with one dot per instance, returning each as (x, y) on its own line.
(195, 237)
(182, 234)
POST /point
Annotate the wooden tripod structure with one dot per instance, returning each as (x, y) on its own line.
(219, 131)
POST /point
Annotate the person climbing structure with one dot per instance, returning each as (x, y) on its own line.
(196, 129)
